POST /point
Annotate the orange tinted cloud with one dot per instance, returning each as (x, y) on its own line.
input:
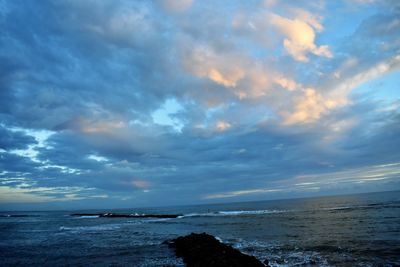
(300, 36)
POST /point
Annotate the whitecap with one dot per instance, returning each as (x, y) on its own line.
(87, 217)
(233, 213)
(102, 227)
(250, 212)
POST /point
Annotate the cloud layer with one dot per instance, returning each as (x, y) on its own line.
(120, 103)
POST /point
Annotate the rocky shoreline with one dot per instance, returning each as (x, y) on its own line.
(198, 250)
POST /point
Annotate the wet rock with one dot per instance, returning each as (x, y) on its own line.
(198, 250)
(266, 263)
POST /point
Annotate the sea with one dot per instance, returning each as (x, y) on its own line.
(350, 230)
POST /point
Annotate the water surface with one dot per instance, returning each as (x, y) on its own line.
(353, 230)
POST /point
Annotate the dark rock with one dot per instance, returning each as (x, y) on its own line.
(198, 250)
(116, 215)
(266, 263)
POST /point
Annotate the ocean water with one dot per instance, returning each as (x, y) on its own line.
(352, 230)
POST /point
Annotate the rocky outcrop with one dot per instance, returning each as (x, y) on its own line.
(119, 215)
(198, 250)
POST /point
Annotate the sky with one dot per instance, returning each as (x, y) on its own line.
(119, 103)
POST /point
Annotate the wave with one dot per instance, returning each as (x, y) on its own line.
(251, 212)
(103, 227)
(17, 215)
(88, 217)
(149, 220)
(280, 255)
(233, 213)
(108, 227)
(158, 220)
(363, 207)
(274, 211)
(342, 208)
(206, 214)
(122, 215)
(230, 213)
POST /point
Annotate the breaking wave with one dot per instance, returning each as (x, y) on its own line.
(103, 227)
(233, 213)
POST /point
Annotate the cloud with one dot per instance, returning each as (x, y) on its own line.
(27, 194)
(140, 184)
(309, 107)
(137, 101)
(300, 36)
(224, 69)
(370, 175)
(312, 105)
(176, 6)
(14, 139)
(12, 195)
(222, 126)
(240, 193)
(287, 83)
(104, 126)
(363, 1)
(343, 88)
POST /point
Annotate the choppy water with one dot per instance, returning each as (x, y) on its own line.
(357, 230)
